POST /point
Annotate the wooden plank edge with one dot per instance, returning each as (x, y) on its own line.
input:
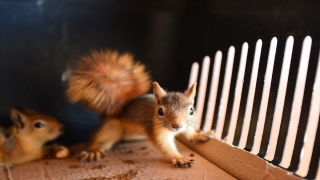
(239, 163)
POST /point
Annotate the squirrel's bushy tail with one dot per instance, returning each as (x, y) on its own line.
(105, 81)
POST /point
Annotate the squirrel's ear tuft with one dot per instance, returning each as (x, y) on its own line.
(158, 92)
(18, 118)
(191, 92)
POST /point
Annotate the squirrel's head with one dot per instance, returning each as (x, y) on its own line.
(175, 110)
(40, 127)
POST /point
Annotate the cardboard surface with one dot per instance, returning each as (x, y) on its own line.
(237, 162)
(127, 160)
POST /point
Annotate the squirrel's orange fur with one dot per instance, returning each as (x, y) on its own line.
(107, 80)
(99, 83)
(24, 141)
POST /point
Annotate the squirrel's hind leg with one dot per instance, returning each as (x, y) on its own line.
(105, 137)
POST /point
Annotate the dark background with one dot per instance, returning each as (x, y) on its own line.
(40, 39)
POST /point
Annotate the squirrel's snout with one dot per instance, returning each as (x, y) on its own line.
(176, 126)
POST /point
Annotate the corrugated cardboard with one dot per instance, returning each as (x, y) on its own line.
(215, 160)
(127, 160)
(239, 163)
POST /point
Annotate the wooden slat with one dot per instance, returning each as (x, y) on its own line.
(213, 91)
(202, 89)
(318, 174)
(280, 99)
(313, 121)
(265, 97)
(251, 93)
(297, 103)
(193, 74)
(238, 93)
(225, 93)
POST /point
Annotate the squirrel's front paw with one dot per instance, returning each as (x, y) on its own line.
(182, 162)
(92, 156)
(60, 152)
(205, 136)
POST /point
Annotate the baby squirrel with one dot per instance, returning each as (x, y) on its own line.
(24, 140)
(114, 85)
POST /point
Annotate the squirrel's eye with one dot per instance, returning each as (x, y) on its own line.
(38, 125)
(160, 112)
(191, 111)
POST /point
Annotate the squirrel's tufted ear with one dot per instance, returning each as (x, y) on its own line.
(191, 92)
(158, 92)
(18, 118)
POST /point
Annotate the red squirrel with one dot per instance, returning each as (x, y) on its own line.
(25, 140)
(114, 85)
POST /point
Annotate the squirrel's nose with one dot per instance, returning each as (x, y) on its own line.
(176, 126)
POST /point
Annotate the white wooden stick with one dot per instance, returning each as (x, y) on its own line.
(225, 93)
(265, 97)
(250, 98)
(311, 131)
(297, 103)
(193, 74)
(237, 93)
(277, 116)
(318, 172)
(202, 89)
(213, 91)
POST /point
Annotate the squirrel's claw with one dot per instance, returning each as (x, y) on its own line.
(182, 162)
(7, 167)
(205, 136)
(84, 156)
(91, 156)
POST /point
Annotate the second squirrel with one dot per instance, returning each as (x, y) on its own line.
(24, 141)
(114, 85)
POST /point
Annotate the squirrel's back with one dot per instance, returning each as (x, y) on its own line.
(105, 81)
(140, 109)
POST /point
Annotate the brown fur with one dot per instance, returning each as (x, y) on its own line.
(105, 81)
(140, 120)
(24, 141)
(113, 84)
